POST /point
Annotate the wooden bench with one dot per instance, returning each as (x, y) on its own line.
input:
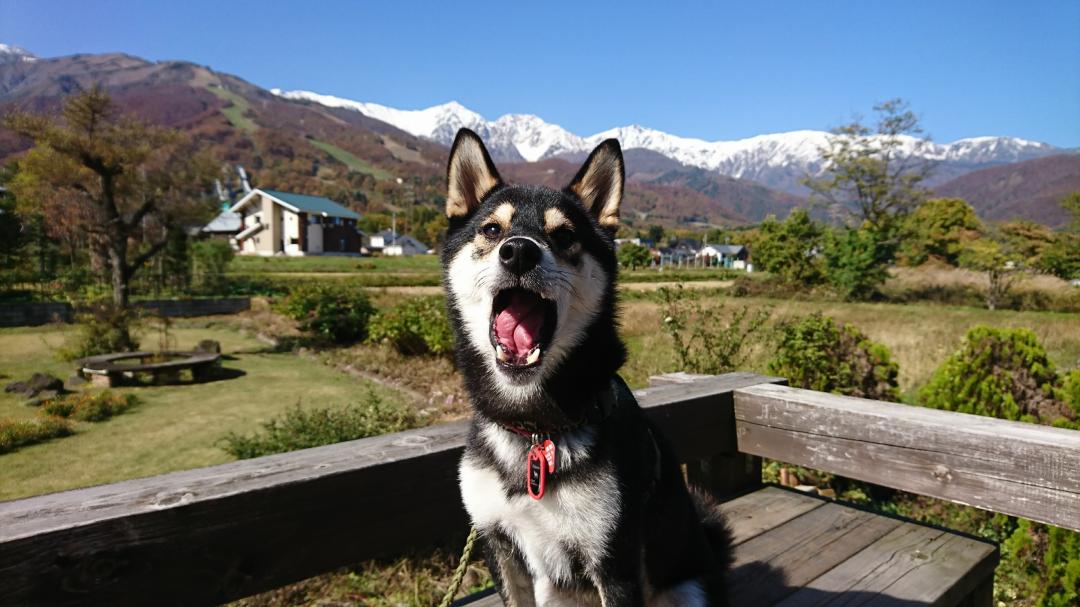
(210, 535)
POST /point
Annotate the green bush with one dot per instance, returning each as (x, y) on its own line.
(89, 407)
(210, 259)
(708, 338)
(102, 328)
(1003, 373)
(938, 229)
(857, 262)
(417, 326)
(1040, 564)
(633, 256)
(300, 428)
(338, 312)
(817, 353)
(789, 249)
(1071, 391)
(16, 434)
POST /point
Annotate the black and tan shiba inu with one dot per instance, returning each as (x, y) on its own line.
(576, 497)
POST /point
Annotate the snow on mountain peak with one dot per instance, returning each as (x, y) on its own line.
(9, 53)
(776, 159)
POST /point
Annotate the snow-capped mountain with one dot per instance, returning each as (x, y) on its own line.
(511, 137)
(9, 53)
(777, 160)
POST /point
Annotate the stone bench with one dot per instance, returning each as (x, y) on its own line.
(108, 369)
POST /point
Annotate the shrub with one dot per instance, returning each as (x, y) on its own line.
(417, 326)
(938, 228)
(789, 249)
(300, 428)
(102, 328)
(709, 339)
(633, 256)
(1071, 391)
(338, 312)
(1040, 563)
(817, 353)
(1003, 373)
(856, 262)
(90, 407)
(16, 434)
(210, 258)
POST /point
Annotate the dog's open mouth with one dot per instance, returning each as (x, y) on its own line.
(522, 324)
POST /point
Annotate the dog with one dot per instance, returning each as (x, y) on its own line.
(576, 497)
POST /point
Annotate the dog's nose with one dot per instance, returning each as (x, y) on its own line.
(519, 255)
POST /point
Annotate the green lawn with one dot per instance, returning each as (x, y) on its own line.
(426, 265)
(417, 264)
(173, 427)
(235, 112)
(350, 160)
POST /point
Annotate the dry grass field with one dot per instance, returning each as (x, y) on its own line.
(920, 336)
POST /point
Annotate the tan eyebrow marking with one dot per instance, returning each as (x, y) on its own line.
(554, 219)
(503, 214)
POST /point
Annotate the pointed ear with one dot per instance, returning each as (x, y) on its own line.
(470, 174)
(599, 183)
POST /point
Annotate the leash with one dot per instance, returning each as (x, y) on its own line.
(459, 573)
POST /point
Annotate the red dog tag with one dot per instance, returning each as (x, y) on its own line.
(549, 454)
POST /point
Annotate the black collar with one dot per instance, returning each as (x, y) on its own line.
(603, 404)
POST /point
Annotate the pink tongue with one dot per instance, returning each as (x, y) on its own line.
(517, 327)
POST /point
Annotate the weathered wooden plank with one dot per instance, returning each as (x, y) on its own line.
(215, 534)
(755, 513)
(1010, 467)
(801, 551)
(775, 564)
(210, 535)
(912, 563)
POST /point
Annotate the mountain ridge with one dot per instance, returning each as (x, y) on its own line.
(777, 160)
(371, 164)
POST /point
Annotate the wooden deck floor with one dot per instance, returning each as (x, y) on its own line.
(795, 550)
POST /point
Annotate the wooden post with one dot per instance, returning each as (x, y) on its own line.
(727, 473)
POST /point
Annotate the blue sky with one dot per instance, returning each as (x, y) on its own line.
(709, 70)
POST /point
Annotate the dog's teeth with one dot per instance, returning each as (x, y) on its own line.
(534, 355)
(502, 353)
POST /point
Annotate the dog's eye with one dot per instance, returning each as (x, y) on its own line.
(563, 237)
(491, 230)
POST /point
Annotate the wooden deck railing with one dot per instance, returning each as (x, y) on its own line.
(215, 534)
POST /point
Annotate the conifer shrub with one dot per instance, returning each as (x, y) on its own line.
(1006, 373)
(334, 311)
(999, 372)
(415, 327)
(1071, 392)
(817, 353)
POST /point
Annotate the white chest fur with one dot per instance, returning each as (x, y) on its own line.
(578, 516)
